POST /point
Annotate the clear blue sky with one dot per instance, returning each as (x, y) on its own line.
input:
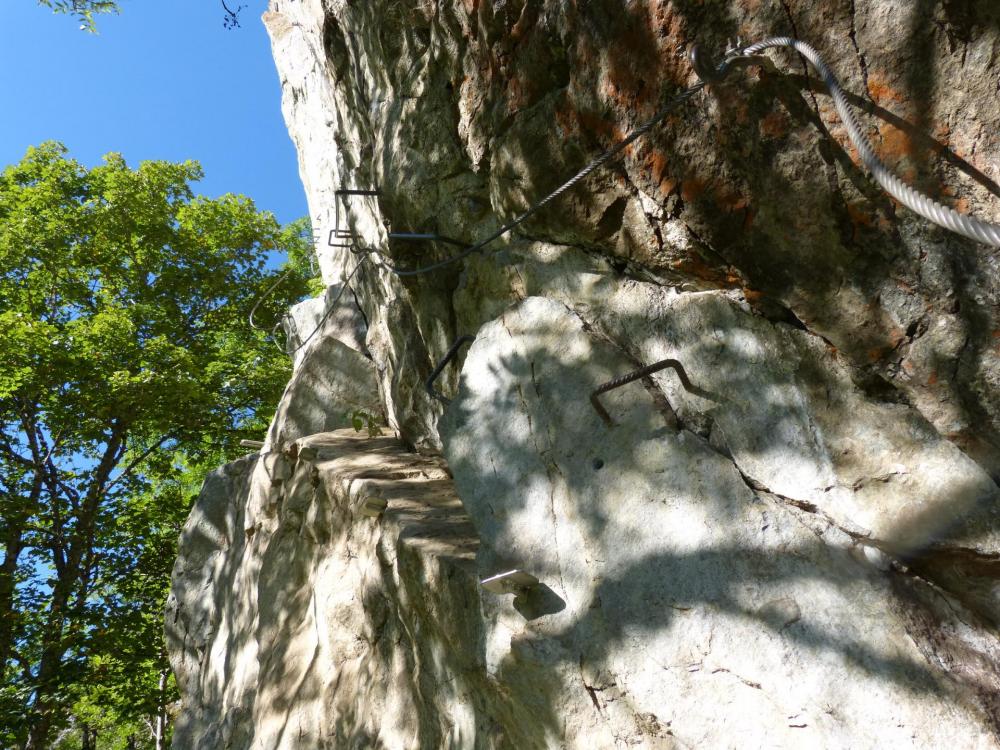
(163, 80)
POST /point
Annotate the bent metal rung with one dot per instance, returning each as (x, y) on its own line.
(510, 582)
(630, 377)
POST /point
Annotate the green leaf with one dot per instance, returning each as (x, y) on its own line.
(129, 371)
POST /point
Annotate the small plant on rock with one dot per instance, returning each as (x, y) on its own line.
(363, 419)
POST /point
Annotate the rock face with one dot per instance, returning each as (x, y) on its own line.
(788, 536)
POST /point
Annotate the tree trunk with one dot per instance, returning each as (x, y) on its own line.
(13, 546)
(89, 739)
(72, 576)
(15, 512)
(161, 712)
(48, 671)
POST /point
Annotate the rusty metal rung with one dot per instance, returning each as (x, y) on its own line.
(642, 372)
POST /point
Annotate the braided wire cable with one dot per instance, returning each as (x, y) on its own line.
(263, 297)
(330, 308)
(582, 174)
(910, 197)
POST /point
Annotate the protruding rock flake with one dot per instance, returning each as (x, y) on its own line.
(712, 458)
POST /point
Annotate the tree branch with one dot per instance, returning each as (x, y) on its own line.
(134, 463)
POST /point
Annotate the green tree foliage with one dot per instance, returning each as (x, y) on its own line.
(127, 368)
(84, 10)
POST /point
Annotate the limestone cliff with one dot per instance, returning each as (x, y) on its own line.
(790, 537)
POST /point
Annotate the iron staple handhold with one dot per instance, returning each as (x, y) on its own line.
(347, 191)
(450, 355)
(511, 582)
(337, 232)
(263, 297)
(642, 372)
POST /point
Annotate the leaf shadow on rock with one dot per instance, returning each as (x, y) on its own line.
(523, 444)
(838, 255)
(835, 269)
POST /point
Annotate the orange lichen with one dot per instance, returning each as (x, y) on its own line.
(565, 118)
(774, 125)
(691, 189)
(933, 379)
(880, 90)
(896, 337)
(730, 201)
(593, 123)
(896, 143)
(859, 216)
(692, 265)
(735, 203)
(657, 165)
(519, 93)
(526, 23)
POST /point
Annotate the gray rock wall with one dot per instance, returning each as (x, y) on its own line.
(789, 538)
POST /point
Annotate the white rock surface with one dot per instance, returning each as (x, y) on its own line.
(331, 381)
(292, 629)
(688, 601)
(802, 550)
(333, 314)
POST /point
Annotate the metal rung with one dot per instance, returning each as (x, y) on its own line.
(345, 191)
(511, 582)
(339, 234)
(252, 443)
(642, 372)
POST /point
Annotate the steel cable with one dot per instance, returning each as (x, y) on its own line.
(910, 197)
(263, 297)
(330, 308)
(533, 209)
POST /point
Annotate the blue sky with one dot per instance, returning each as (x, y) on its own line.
(163, 80)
